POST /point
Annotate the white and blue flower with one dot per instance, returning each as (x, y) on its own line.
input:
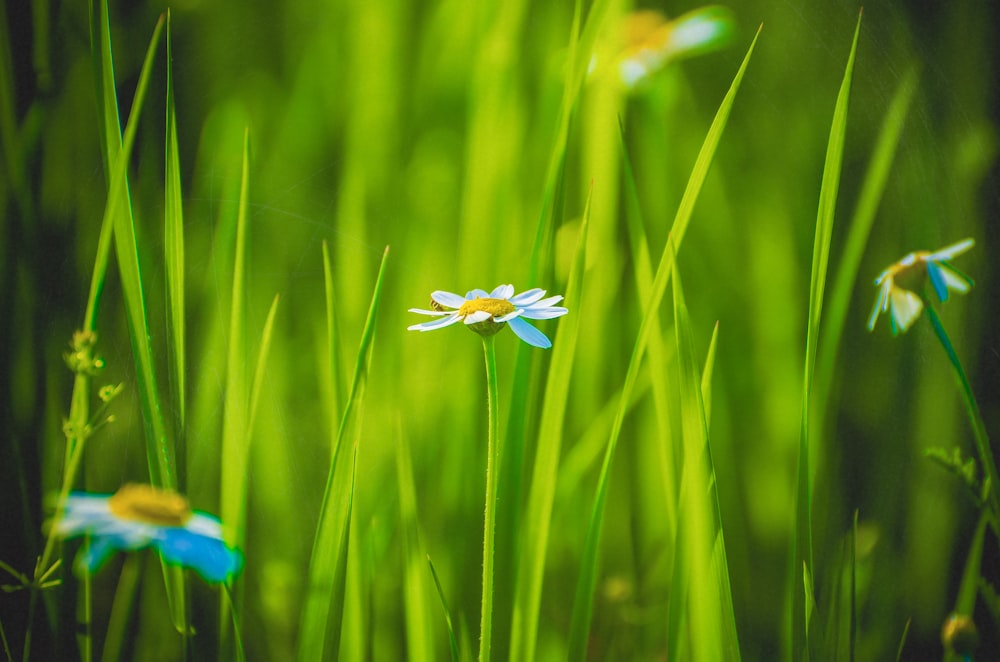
(487, 312)
(905, 306)
(139, 516)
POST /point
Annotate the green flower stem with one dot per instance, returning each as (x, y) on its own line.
(492, 471)
(972, 408)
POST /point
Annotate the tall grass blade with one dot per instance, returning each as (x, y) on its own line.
(538, 516)
(587, 580)
(173, 246)
(323, 610)
(639, 246)
(419, 635)
(861, 222)
(700, 601)
(539, 267)
(802, 557)
(235, 438)
(334, 387)
(118, 214)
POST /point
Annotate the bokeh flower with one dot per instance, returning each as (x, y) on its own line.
(649, 41)
(903, 304)
(487, 312)
(139, 516)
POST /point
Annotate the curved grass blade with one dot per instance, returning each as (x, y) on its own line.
(173, 246)
(538, 516)
(802, 557)
(323, 610)
(583, 600)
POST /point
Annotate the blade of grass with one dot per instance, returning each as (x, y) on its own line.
(862, 219)
(323, 609)
(235, 441)
(583, 600)
(643, 272)
(539, 268)
(706, 376)
(419, 639)
(902, 641)
(334, 387)
(452, 642)
(259, 370)
(173, 246)
(700, 592)
(538, 516)
(802, 556)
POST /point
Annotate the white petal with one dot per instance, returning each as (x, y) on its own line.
(502, 292)
(204, 525)
(949, 252)
(954, 279)
(906, 307)
(528, 297)
(881, 301)
(544, 313)
(435, 313)
(509, 316)
(435, 324)
(447, 299)
(477, 294)
(544, 303)
(477, 316)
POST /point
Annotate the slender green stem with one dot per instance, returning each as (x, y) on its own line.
(492, 471)
(975, 417)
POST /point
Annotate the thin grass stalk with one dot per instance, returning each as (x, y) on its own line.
(173, 245)
(492, 472)
(452, 641)
(802, 543)
(975, 418)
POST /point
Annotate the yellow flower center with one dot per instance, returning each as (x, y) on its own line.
(495, 307)
(145, 503)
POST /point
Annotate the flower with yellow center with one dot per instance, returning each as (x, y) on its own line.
(903, 304)
(139, 516)
(487, 312)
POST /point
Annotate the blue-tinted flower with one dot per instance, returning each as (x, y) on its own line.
(139, 516)
(903, 304)
(486, 313)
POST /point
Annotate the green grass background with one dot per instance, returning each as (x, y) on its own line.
(434, 128)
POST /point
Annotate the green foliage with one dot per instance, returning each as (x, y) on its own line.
(483, 143)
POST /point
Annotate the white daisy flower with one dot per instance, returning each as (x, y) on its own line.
(139, 516)
(487, 312)
(904, 305)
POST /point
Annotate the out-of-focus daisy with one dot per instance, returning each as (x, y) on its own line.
(650, 40)
(487, 312)
(138, 516)
(903, 304)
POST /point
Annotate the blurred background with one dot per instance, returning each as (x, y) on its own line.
(429, 127)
